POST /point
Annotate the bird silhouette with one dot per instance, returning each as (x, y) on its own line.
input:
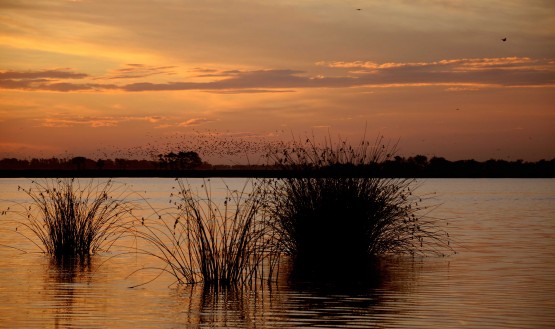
(504, 39)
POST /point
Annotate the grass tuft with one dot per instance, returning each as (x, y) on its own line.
(74, 218)
(341, 220)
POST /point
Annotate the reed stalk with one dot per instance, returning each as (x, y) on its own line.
(217, 242)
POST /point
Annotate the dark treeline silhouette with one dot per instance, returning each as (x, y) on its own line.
(421, 166)
(189, 163)
(76, 163)
(170, 161)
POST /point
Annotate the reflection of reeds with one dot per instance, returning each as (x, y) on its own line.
(208, 241)
(352, 299)
(67, 281)
(225, 307)
(338, 219)
(73, 218)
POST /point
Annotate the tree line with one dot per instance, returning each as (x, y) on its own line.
(171, 161)
(398, 166)
(421, 166)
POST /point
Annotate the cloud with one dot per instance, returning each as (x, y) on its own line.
(149, 86)
(47, 85)
(506, 71)
(49, 80)
(456, 64)
(250, 91)
(134, 71)
(44, 74)
(250, 80)
(194, 122)
(65, 87)
(22, 83)
(95, 122)
(510, 71)
(464, 64)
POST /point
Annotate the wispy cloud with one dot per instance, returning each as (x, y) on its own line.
(507, 71)
(64, 121)
(134, 71)
(44, 74)
(464, 64)
(49, 80)
(250, 91)
(510, 71)
(194, 122)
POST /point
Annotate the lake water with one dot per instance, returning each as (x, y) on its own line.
(503, 275)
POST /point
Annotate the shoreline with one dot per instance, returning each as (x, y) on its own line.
(252, 173)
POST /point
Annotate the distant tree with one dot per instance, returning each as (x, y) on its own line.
(168, 160)
(121, 163)
(100, 164)
(35, 163)
(181, 160)
(420, 160)
(439, 167)
(13, 163)
(189, 160)
(399, 159)
(439, 161)
(109, 164)
(79, 162)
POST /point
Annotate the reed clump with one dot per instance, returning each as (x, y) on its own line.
(213, 240)
(74, 218)
(336, 211)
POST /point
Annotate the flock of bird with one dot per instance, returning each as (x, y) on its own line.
(211, 146)
(215, 147)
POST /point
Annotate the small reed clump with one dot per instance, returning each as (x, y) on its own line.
(217, 242)
(74, 218)
(335, 209)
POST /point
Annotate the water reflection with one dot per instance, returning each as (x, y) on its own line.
(221, 307)
(502, 277)
(361, 299)
(356, 296)
(67, 286)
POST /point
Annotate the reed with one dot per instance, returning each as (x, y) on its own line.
(217, 242)
(338, 219)
(74, 218)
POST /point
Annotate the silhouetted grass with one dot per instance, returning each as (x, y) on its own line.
(74, 218)
(217, 243)
(341, 220)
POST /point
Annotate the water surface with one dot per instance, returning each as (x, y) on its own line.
(503, 274)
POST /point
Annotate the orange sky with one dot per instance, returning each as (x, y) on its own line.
(97, 78)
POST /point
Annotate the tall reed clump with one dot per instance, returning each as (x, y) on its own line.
(217, 241)
(74, 218)
(335, 209)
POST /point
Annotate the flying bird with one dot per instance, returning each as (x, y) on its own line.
(359, 9)
(504, 39)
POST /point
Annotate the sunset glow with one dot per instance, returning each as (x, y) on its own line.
(92, 78)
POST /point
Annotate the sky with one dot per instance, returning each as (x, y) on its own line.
(123, 78)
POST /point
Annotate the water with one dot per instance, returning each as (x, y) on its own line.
(503, 275)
